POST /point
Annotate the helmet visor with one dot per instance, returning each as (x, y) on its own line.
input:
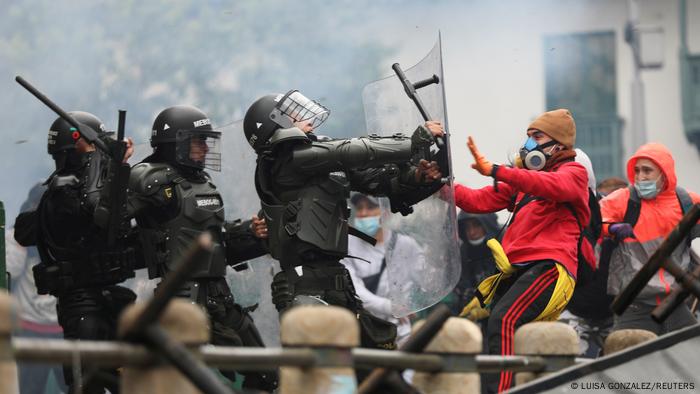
(199, 148)
(302, 109)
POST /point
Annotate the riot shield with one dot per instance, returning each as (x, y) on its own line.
(432, 275)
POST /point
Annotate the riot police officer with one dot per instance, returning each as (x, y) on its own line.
(78, 266)
(173, 201)
(303, 182)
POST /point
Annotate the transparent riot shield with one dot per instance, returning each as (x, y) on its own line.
(251, 284)
(416, 282)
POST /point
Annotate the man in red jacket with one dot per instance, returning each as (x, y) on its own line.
(549, 200)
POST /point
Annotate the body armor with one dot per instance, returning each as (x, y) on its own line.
(199, 207)
(304, 191)
(172, 211)
(74, 253)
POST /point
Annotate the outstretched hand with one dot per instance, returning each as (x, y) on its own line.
(482, 165)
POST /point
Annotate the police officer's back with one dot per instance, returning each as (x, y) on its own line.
(77, 264)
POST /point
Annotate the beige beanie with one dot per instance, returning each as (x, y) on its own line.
(559, 125)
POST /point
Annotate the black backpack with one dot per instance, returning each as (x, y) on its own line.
(591, 233)
(634, 204)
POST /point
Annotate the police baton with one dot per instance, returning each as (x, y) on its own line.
(411, 90)
(85, 131)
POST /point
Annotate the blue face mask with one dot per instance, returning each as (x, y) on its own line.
(646, 189)
(368, 225)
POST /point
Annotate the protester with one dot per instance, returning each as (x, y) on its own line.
(538, 261)
(639, 218)
(37, 313)
(477, 260)
(367, 264)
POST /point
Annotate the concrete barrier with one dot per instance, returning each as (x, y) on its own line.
(456, 336)
(184, 322)
(622, 339)
(8, 368)
(319, 326)
(544, 338)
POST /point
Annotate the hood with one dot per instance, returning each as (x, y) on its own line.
(583, 159)
(660, 155)
(488, 220)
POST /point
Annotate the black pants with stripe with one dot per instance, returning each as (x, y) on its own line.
(519, 299)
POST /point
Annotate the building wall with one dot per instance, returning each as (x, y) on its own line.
(494, 68)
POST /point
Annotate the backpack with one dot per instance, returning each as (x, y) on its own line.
(634, 204)
(589, 233)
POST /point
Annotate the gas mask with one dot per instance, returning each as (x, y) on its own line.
(532, 156)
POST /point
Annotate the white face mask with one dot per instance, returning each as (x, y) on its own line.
(474, 242)
(647, 189)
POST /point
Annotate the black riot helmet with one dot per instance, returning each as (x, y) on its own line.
(274, 112)
(62, 136)
(185, 133)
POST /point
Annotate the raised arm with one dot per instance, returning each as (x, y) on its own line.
(484, 200)
(563, 185)
(361, 153)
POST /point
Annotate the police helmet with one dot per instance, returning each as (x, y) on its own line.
(197, 144)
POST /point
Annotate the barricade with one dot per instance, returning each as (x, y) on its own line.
(456, 336)
(331, 327)
(622, 339)
(544, 338)
(185, 323)
(8, 367)
(318, 356)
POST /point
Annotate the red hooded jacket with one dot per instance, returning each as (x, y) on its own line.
(544, 229)
(657, 217)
